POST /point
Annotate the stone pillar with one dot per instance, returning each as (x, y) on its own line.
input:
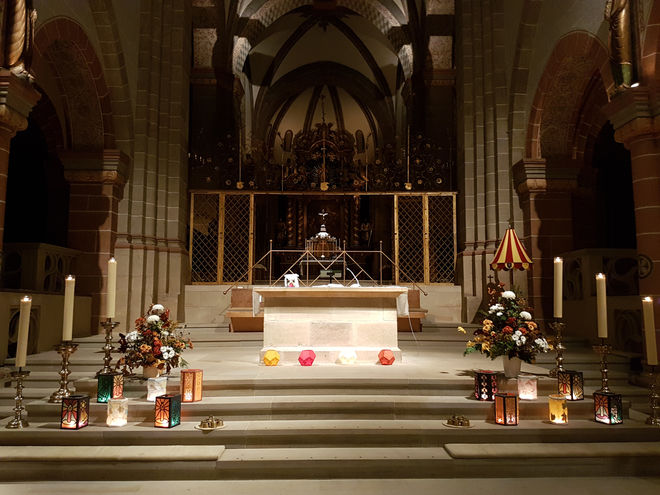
(17, 97)
(545, 198)
(636, 120)
(96, 186)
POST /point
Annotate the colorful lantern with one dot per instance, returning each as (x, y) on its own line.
(506, 409)
(527, 387)
(347, 356)
(167, 411)
(109, 386)
(485, 385)
(571, 384)
(386, 357)
(75, 412)
(557, 409)
(191, 385)
(307, 357)
(117, 412)
(608, 408)
(271, 357)
(155, 387)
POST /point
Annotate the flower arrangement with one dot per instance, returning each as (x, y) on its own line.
(154, 342)
(507, 328)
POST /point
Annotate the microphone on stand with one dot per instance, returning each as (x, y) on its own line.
(357, 282)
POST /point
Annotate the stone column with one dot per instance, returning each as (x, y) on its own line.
(96, 186)
(17, 97)
(545, 197)
(635, 116)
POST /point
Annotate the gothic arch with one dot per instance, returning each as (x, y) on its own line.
(62, 48)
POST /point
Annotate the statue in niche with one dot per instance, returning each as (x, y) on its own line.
(618, 14)
(17, 21)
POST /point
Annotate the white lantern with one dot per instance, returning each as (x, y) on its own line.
(117, 412)
(155, 387)
(527, 387)
(291, 280)
(347, 356)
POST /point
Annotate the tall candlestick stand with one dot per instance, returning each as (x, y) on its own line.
(108, 325)
(19, 421)
(558, 327)
(603, 349)
(654, 399)
(65, 349)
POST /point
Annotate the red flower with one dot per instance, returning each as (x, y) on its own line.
(511, 320)
(507, 329)
(523, 330)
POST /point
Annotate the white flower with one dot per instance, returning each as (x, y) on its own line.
(167, 352)
(516, 336)
(153, 319)
(519, 342)
(495, 307)
(157, 309)
(132, 336)
(508, 294)
(499, 313)
(525, 315)
(164, 333)
(523, 339)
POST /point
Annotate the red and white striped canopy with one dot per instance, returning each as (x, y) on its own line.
(511, 254)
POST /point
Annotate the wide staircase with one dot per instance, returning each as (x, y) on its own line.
(350, 422)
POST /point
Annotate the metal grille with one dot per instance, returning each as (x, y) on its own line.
(410, 257)
(204, 238)
(441, 239)
(236, 246)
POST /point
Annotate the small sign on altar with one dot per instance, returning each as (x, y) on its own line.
(291, 280)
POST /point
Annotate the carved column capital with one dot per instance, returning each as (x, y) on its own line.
(532, 175)
(17, 97)
(634, 113)
(104, 167)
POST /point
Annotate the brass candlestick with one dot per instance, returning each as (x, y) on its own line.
(19, 421)
(603, 349)
(654, 418)
(558, 327)
(108, 325)
(65, 349)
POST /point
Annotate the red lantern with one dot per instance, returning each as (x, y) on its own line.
(167, 412)
(75, 412)
(191, 385)
(307, 357)
(485, 385)
(386, 357)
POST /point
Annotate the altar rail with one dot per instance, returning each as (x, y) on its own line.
(222, 236)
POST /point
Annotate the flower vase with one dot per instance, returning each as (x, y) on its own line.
(511, 366)
(150, 371)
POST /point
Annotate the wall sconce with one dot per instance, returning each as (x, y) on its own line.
(307, 357)
(271, 357)
(191, 385)
(109, 386)
(117, 412)
(557, 409)
(571, 384)
(485, 385)
(347, 356)
(386, 357)
(167, 411)
(527, 387)
(75, 412)
(506, 409)
(608, 408)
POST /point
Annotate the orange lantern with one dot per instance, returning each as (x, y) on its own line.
(75, 412)
(506, 409)
(191, 385)
(167, 411)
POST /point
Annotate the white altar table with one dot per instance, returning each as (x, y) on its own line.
(331, 319)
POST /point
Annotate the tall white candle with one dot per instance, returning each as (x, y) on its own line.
(649, 332)
(559, 280)
(23, 328)
(112, 288)
(67, 321)
(601, 305)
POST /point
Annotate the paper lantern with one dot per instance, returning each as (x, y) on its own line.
(191, 385)
(155, 387)
(347, 356)
(271, 357)
(608, 408)
(167, 411)
(307, 357)
(117, 412)
(386, 357)
(571, 384)
(506, 409)
(75, 412)
(109, 386)
(557, 409)
(527, 387)
(485, 385)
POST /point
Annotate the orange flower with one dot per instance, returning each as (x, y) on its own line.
(144, 348)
